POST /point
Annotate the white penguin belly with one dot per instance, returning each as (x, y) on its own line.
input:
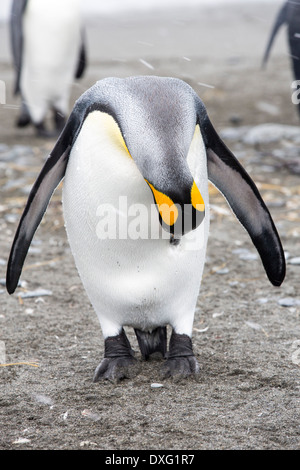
(50, 54)
(136, 280)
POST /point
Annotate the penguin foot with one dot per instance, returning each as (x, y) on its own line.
(41, 131)
(181, 361)
(24, 117)
(180, 367)
(23, 120)
(116, 369)
(118, 362)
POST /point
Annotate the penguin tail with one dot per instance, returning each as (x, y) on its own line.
(152, 342)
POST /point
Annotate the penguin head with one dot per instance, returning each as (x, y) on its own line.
(157, 125)
(181, 208)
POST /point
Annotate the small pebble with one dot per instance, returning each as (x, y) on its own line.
(288, 302)
(21, 440)
(35, 293)
(263, 300)
(217, 314)
(34, 250)
(43, 399)
(2, 352)
(248, 256)
(253, 325)
(91, 415)
(295, 261)
(222, 271)
(29, 311)
(156, 385)
(87, 443)
(245, 254)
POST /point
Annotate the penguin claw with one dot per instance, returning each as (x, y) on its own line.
(180, 367)
(119, 362)
(116, 369)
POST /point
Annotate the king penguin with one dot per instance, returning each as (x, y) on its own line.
(148, 141)
(49, 51)
(288, 14)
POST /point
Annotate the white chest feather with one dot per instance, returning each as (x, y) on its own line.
(132, 274)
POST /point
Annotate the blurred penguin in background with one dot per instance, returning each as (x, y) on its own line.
(289, 14)
(49, 52)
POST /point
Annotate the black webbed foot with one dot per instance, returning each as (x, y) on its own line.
(181, 361)
(118, 362)
(42, 131)
(115, 369)
(23, 119)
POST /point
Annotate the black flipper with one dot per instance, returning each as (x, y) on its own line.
(49, 178)
(280, 20)
(228, 175)
(82, 59)
(295, 59)
(16, 38)
(295, 55)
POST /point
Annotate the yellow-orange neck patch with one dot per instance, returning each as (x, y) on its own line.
(125, 146)
(166, 207)
(197, 199)
(113, 131)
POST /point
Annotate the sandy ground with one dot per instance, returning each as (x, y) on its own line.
(246, 337)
